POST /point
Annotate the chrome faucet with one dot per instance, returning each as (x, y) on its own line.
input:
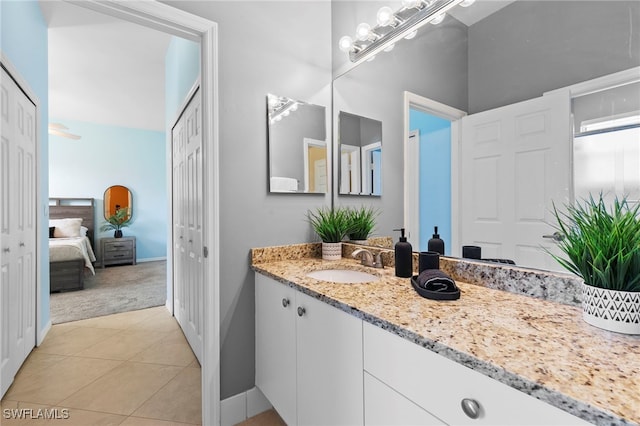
(368, 258)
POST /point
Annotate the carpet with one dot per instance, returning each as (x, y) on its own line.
(112, 290)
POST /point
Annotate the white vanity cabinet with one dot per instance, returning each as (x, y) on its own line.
(439, 385)
(308, 357)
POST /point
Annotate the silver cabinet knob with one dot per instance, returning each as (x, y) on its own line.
(301, 311)
(285, 302)
(471, 408)
(6, 249)
(21, 244)
(556, 236)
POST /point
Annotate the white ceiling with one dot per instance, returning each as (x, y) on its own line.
(104, 70)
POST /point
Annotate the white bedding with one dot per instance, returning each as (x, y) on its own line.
(61, 249)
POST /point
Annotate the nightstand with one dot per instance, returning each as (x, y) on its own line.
(118, 251)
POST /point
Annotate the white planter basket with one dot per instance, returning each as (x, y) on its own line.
(611, 310)
(331, 251)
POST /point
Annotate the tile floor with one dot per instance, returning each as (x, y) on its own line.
(133, 368)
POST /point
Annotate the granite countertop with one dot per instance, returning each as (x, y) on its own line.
(539, 347)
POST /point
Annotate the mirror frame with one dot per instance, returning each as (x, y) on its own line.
(106, 207)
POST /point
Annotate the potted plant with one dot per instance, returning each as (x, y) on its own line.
(331, 225)
(362, 220)
(120, 219)
(603, 248)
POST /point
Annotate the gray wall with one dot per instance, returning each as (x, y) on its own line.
(531, 47)
(264, 47)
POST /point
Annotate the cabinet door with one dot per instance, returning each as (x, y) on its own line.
(385, 407)
(330, 375)
(275, 346)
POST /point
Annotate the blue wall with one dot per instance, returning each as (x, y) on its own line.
(182, 68)
(435, 176)
(24, 42)
(110, 155)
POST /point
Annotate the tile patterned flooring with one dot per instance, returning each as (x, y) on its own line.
(131, 369)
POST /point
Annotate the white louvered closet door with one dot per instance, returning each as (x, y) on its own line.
(17, 229)
(187, 223)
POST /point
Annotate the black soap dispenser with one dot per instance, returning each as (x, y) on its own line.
(435, 243)
(403, 256)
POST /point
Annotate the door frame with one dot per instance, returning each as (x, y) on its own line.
(365, 167)
(412, 163)
(177, 22)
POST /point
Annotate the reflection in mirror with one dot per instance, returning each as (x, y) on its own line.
(297, 146)
(115, 198)
(360, 141)
(484, 63)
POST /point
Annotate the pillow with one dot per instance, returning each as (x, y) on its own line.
(83, 231)
(51, 231)
(66, 228)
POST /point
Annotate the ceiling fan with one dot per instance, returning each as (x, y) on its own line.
(61, 130)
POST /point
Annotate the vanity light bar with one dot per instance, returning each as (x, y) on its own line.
(405, 21)
(280, 107)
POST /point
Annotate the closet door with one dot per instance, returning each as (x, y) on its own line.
(188, 219)
(17, 228)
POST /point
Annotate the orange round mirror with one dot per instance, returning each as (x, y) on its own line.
(115, 198)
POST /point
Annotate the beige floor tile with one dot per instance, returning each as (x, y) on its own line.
(59, 382)
(179, 400)
(160, 321)
(38, 362)
(267, 418)
(139, 421)
(124, 389)
(119, 321)
(195, 364)
(74, 341)
(123, 345)
(173, 349)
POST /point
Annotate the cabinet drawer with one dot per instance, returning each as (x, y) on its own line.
(124, 245)
(118, 255)
(438, 385)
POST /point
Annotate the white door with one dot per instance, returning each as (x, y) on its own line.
(320, 176)
(188, 218)
(18, 229)
(514, 164)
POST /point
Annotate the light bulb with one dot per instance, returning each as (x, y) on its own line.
(467, 3)
(371, 58)
(437, 19)
(278, 118)
(346, 44)
(410, 4)
(411, 35)
(362, 31)
(390, 47)
(272, 102)
(286, 113)
(294, 107)
(385, 16)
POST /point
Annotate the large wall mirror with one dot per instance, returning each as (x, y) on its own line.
(117, 197)
(297, 146)
(478, 62)
(360, 142)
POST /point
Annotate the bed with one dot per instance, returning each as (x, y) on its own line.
(70, 258)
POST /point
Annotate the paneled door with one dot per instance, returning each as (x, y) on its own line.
(187, 223)
(514, 166)
(17, 229)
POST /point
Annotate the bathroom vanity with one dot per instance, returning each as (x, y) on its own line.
(378, 353)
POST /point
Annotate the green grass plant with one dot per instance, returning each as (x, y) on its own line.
(362, 220)
(602, 246)
(120, 219)
(331, 225)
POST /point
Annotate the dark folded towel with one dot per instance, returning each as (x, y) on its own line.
(435, 284)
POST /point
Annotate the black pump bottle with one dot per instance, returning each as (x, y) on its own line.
(403, 256)
(435, 243)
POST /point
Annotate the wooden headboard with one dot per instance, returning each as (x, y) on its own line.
(61, 208)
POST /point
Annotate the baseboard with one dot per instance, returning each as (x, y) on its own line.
(151, 259)
(242, 406)
(43, 333)
(169, 306)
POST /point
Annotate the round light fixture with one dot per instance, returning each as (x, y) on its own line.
(467, 3)
(385, 16)
(346, 44)
(390, 47)
(411, 4)
(362, 31)
(411, 35)
(438, 18)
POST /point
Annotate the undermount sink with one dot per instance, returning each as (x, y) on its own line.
(345, 276)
